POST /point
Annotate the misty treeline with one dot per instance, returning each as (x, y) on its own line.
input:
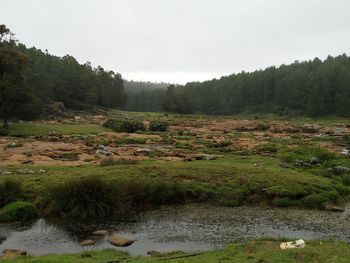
(311, 88)
(31, 80)
(63, 79)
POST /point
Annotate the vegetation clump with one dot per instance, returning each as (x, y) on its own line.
(10, 191)
(125, 125)
(158, 126)
(18, 211)
(94, 197)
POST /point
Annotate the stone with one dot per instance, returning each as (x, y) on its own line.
(211, 157)
(341, 169)
(100, 232)
(28, 162)
(314, 160)
(142, 152)
(120, 241)
(87, 242)
(13, 253)
(334, 208)
(103, 150)
(295, 244)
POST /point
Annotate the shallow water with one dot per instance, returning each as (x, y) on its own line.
(188, 228)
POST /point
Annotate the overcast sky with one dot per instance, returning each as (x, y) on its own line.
(182, 40)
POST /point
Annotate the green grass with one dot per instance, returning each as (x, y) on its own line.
(245, 252)
(19, 130)
(228, 177)
(18, 211)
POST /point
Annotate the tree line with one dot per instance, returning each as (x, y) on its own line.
(31, 79)
(312, 88)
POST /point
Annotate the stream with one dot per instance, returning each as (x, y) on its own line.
(193, 227)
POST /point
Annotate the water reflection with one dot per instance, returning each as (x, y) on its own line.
(187, 228)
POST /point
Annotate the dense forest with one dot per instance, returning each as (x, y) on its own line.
(311, 88)
(144, 96)
(31, 80)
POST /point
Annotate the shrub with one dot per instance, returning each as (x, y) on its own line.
(268, 147)
(315, 200)
(160, 126)
(132, 140)
(281, 202)
(86, 197)
(126, 125)
(346, 179)
(306, 153)
(18, 211)
(10, 191)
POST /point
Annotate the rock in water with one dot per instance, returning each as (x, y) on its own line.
(335, 208)
(87, 243)
(120, 241)
(101, 233)
(13, 253)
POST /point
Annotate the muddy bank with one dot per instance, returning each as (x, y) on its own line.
(188, 228)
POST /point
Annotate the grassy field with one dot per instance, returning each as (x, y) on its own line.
(249, 252)
(22, 130)
(228, 180)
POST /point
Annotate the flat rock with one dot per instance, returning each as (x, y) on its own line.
(335, 208)
(142, 152)
(13, 253)
(120, 241)
(100, 232)
(87, 243)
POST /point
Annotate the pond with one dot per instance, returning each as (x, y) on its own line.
(192, 227)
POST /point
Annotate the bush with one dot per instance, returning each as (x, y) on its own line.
(268, 147)
(306, 153)
(92, 197)
(86, 197)
(10, 191)
(281, 202)
(126, 125)
(316, 200)
(160, 126)
(18, 211)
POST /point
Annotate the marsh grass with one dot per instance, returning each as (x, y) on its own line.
(94, 197)
(10, 191)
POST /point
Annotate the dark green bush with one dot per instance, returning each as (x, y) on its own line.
(18, 211)
(306, 153)
(315, 200)
(160, 126)
(10, 191)
(93, 197)
(281, 202)
(268, 147)
(125, 125)
(86, 197)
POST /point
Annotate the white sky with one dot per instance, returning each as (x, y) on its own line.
(182, 40)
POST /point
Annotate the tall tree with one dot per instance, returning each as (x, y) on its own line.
(12, 64)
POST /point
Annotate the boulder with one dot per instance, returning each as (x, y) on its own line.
(13, 253)
(87, 242)
(142, 152)
(341, 169)
(334, 208)
(120, 241)
(295, 244)
(103, 150)
(100, 232)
